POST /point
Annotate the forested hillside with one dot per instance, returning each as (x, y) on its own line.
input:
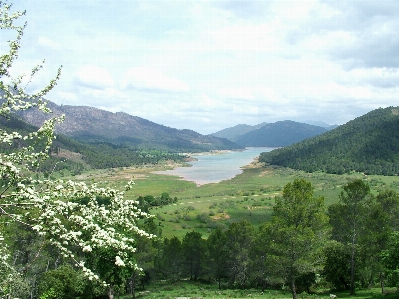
(96, 126)
(368, 144)
(281, 133)
(67, 153)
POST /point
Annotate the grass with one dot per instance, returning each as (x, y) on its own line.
(191, 289)
(249, 195)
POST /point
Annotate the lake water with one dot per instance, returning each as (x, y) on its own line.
(213, 168)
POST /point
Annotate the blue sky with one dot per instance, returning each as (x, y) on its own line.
(208, 65)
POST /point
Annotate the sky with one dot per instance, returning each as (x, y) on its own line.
(210, 65)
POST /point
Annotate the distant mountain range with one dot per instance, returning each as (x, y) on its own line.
(368, 144)
(92, 125)
(102, 139)
(276, 134)
(234, 132)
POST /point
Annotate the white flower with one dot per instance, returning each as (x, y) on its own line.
(119, 262)
(87, 248)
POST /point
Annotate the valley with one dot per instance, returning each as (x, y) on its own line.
(94, 202)
(249, 195)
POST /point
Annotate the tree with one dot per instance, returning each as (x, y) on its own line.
(217, 254)
(298, 232)
(337, 269)
(372, 242)
(390, 258)
(348, 217)
(240, 236)
(51, 208)
(193, 249)
(389, 201)
(169, 259)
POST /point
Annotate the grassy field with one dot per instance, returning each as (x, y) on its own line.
(249, 195)
(196, 290)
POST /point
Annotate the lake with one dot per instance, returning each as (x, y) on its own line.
(216, 167)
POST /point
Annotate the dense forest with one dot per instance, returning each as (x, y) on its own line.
(367, 144)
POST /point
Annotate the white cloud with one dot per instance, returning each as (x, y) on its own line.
(149, 79)
(94, 77)
(244, 37)
(237, 93)
(48, 43)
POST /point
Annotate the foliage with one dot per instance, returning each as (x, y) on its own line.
(193, 248)
(348, 219)
(366, 144)
(390, 258)
(337, 270)
(298, 232)
(49, 207)
(62, 283)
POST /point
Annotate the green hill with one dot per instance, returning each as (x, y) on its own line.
(368, 144)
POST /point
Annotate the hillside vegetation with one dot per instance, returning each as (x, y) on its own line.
(75, 156)
(91, 125)
(368, 144)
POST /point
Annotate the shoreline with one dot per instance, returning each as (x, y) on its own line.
(217, 172)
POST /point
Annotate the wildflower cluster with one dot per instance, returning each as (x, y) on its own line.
(65, 213)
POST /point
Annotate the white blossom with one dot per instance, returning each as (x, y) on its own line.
(119, 262)
(52, 208)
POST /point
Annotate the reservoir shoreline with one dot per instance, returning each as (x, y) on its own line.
(215, 166)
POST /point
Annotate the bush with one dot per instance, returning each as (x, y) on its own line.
(62, 283)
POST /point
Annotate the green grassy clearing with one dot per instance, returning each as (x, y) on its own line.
(249, 195)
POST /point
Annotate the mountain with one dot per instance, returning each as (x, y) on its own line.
(235, 132)
(278, 134)
(75, 156)
(368, 144)
(92, 125)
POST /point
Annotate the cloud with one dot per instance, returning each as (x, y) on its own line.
(245, 8)
(148, 79)
(373, 28)
(237, 93)
(248, 37)
(49, 43)
(94, 77)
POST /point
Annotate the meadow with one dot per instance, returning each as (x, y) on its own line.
(249, 195)
(198, 290)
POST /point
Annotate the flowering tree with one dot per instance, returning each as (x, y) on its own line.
(52, 208)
